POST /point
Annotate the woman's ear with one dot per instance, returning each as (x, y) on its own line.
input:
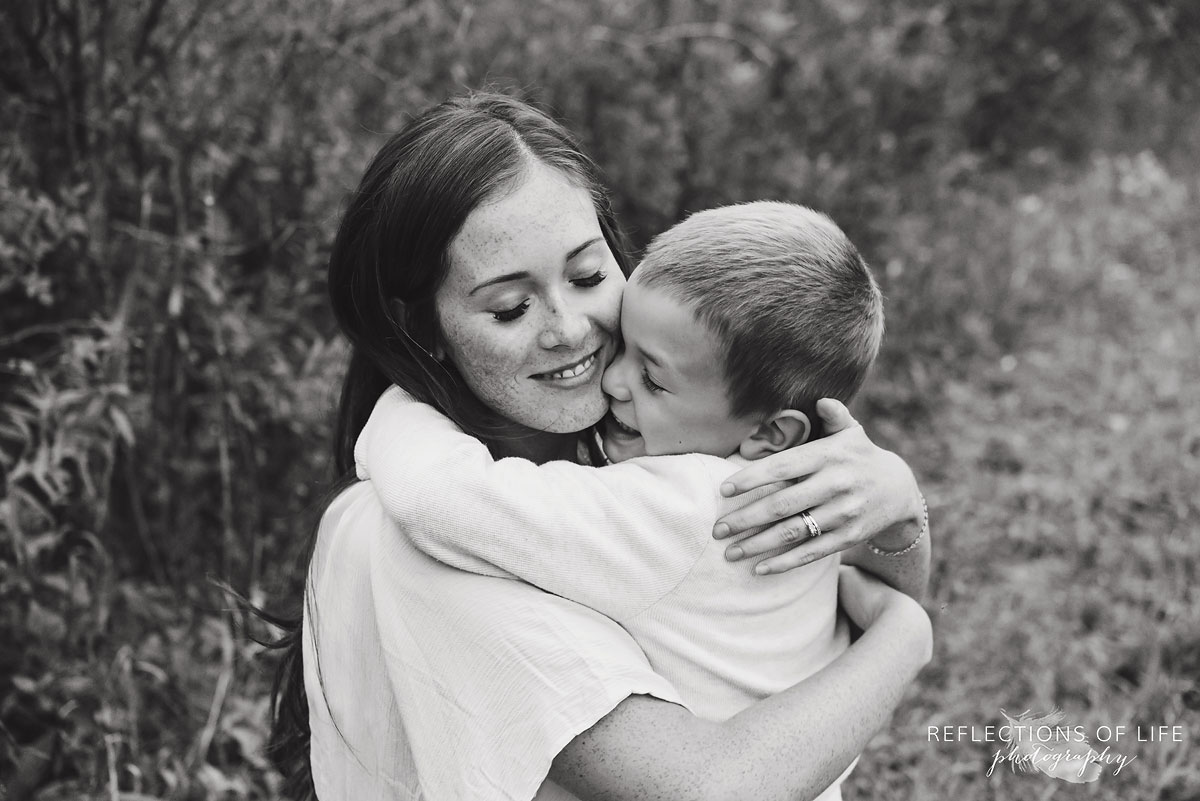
(399, 311)
(778, 433)
(439, 349)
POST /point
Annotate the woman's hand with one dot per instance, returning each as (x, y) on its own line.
(853, 489)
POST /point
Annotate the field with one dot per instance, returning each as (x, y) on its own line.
(1061, 473)
(1022, 174)
(1060, 468)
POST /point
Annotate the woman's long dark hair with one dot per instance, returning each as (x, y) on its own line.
(387, 262)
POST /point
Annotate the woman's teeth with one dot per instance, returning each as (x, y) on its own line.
(571, 372)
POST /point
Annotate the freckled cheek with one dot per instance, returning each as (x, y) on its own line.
(605, 319)
(491, 356)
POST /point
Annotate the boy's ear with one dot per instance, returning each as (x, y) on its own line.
(778, 433)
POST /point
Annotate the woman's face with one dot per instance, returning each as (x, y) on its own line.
(530, 308)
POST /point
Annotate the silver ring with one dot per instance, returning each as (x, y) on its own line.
(814, 530)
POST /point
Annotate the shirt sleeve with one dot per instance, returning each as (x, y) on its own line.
(440, 684)
(615, 538)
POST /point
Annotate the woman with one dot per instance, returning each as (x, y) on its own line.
(478, 266)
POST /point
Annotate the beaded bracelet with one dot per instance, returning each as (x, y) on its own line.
(911, 545)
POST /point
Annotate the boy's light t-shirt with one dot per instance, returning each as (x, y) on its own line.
(631, 540)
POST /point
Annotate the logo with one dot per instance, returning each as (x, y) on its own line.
(1043, 743)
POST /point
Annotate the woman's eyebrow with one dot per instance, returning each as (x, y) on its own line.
(517, 276)
(583, 247)
(500, 279)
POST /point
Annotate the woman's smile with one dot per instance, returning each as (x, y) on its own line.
(574, 374)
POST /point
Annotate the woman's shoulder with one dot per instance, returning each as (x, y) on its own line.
(343, 501)
(365, 560)
(469, 660)
(341, 519)
(360, 546)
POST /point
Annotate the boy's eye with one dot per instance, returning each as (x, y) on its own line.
(649, 384)
(592, 280)
(508, 315)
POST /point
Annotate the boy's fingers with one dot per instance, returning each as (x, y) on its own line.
(835, 415)
(848, 573)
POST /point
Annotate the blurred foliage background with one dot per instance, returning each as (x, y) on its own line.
(1021, 173)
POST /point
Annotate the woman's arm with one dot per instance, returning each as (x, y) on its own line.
(855, 490)
(903, 565)
(788, 747)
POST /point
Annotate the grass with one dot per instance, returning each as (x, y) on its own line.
(1061, 475)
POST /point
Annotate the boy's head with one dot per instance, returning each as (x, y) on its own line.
(736, 322)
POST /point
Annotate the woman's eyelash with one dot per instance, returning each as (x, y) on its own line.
(508, 315)
(592, 280)
(649, 384)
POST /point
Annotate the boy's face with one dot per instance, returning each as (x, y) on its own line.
(667, 387)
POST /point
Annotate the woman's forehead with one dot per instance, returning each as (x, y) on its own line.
(533, 226)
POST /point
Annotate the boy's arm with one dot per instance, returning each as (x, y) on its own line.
(907, 572)
(616, 538)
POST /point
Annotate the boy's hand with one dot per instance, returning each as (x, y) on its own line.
(867, 600)
(852, 488)
(862, 597)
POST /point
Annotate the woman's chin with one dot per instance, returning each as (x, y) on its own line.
(576, 416)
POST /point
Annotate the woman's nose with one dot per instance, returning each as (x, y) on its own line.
(614, 382)
(565, 326)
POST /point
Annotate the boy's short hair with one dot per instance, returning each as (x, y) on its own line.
(787, 294)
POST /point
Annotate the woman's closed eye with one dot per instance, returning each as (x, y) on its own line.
(508, 315)
(587, 282)
(649, 384)
(592, 280)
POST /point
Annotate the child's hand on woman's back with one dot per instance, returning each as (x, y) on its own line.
(867, 601)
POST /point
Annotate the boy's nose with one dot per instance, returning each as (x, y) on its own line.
(613, 382)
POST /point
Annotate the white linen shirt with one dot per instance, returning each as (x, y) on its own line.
(632, 540)
(428, 683)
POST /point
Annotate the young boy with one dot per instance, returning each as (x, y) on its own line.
(735, 323)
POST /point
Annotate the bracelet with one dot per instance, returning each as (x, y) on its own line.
(916, 540)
